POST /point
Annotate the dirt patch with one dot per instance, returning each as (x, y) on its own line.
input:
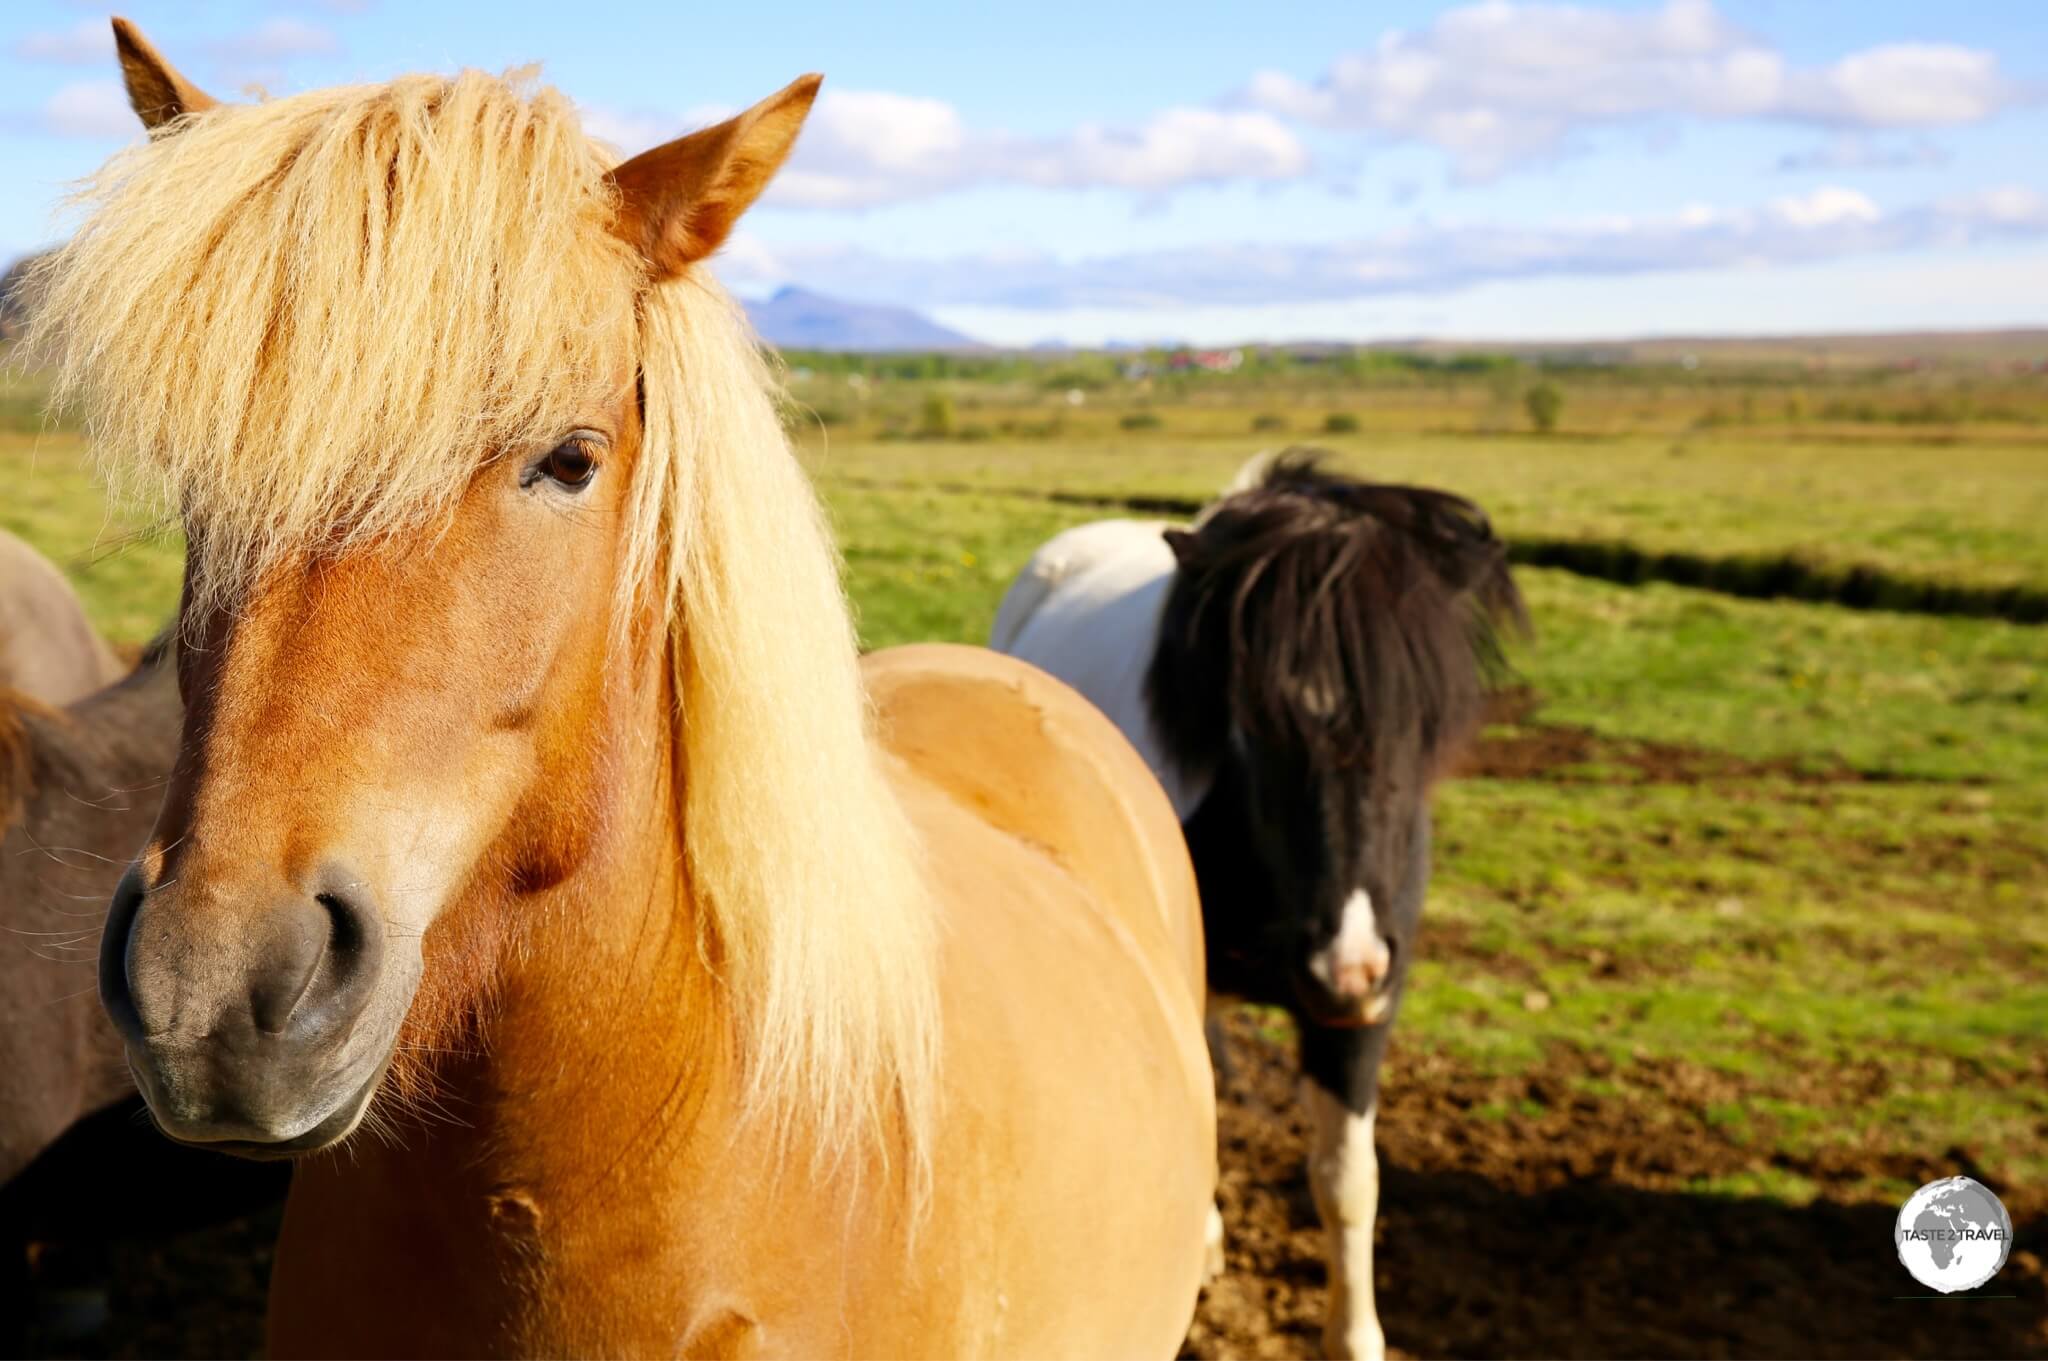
(1516, 746)
(1573, 754)
(1522, 1216)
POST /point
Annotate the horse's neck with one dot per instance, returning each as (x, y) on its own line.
(588, 1148)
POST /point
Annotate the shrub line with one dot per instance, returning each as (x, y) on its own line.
(1755, 576)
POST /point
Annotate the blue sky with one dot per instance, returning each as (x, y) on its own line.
(1221, 172)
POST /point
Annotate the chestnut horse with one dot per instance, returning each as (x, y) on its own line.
(48, 650)
(712, 992)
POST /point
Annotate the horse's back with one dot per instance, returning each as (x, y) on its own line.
(1076, 1157)
(1040, 762)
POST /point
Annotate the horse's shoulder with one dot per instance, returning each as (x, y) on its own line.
(1034, 759)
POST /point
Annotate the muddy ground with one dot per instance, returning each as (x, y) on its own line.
(1566, 1234)
(1520, 1216)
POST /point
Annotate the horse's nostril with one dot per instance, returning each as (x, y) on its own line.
(345, 924)
(322, 956)
(353, 940)
(117, 993)
(298, 944)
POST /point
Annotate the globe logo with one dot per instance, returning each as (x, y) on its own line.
(1953, 1234)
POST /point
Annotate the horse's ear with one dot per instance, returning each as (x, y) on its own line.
(155, 89)
(679, 201)
(1182, 542)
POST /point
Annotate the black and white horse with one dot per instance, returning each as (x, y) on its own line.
(1297, 667)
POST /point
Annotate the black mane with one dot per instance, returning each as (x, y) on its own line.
(1354, 621)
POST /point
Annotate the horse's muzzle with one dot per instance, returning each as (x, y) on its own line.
(240, 1024)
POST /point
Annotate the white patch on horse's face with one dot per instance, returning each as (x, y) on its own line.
(1321, 698)
(1357, 959)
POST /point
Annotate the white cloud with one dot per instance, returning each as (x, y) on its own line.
(88, 40)
(1497, 85)
(625, 129)
(90, 108)
(1904, 85)
(1827, 224)
(278, 39)
(628, 131)
(1823, 207)
(864, 148)
(2008, 206)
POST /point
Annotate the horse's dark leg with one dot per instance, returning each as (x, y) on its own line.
(1340, 1081)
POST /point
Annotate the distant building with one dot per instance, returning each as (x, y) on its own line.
(1209, 361)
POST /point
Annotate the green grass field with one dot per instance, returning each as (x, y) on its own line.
(1851, 932)
(1970, 514)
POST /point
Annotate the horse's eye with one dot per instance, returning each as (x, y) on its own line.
(570, 464)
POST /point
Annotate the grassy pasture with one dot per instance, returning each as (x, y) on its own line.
(1827, 907)
(1919, 509)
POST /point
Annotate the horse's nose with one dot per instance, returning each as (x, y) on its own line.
(298, 973)
(1357, 961)
(1357, 969)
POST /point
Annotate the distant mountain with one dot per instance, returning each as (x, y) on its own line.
(798, 319)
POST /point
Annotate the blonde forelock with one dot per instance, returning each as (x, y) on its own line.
(307, 319)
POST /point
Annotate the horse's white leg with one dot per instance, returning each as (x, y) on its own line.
(1344, 1171)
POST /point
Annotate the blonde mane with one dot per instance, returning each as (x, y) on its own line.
(305, 323)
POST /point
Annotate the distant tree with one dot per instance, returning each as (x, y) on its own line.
(1140, 420)
(1544, 402)
(935, 421)
(1268, 421)
(1340, 423)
